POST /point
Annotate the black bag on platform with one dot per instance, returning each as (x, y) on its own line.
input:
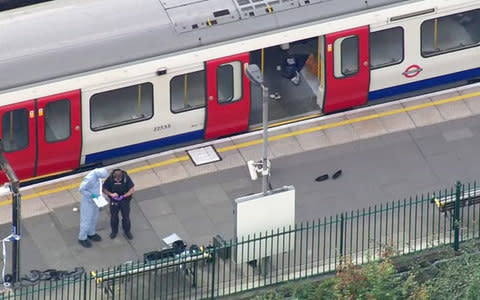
(157, 255)
(179, 246)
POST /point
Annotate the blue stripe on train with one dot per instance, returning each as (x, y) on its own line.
(146, 146)
(424, 84)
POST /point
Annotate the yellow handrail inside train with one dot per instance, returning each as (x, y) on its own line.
(139, 101)
(185, 90)
(262, 62)
(11, 126)
(319, 62)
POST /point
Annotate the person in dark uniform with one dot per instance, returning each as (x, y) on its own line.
(119, 188)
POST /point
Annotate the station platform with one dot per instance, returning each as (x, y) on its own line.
(386, 152)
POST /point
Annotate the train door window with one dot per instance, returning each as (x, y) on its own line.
(15, 130)
(386, 47)
(450, 33)
(187, 91)
(229, 82)
(121, 106)
(57, 121)
(346, 56)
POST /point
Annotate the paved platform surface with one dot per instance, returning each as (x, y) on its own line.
(386, 153)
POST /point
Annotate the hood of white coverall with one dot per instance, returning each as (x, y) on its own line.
(91, 183)
(100, 173)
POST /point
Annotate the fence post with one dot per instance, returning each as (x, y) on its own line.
(456, 219)
(342, 221)
(84, 285)
(214, 258)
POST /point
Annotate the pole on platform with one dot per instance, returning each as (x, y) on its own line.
(265, 171)
(16, 202)
(255, 75)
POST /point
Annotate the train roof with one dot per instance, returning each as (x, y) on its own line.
(66, 37)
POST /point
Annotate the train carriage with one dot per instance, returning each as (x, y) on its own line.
(89, 82)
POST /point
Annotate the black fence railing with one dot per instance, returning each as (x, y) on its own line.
(263, 259)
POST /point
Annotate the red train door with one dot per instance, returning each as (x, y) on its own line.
(42, 136)
(228, 96)
(19, 138)
(347, 69)
(59, 133)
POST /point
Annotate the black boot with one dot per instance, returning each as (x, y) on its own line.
(95, 237)
(85, 243)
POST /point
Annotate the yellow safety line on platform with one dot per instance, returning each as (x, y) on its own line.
(43, 193)
(276, 124)
(260, 141)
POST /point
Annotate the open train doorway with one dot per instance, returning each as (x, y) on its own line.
(293, 72)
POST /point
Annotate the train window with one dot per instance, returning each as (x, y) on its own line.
(57, 121)
(229, 82)
(386, 47)
(15, 130)
(450, 33)
(187, 91)
(121, 106)
(346, 56)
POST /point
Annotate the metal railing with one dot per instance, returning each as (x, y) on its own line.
(306, 250)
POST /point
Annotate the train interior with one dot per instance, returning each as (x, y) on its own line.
(15, 130)
(291, 73)
(457, 31)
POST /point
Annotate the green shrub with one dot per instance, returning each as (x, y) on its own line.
(457, 278)
(376, 280)
(438, 274)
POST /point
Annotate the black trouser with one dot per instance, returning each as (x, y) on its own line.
(124, 207)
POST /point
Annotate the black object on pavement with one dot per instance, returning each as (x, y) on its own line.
(322, 178)
(337, 174)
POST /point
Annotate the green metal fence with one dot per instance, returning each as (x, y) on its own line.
(263, 259)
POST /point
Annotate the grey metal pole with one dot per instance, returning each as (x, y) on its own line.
(255, 75)
(265, 139)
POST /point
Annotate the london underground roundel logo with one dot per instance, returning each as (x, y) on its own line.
(412, 71)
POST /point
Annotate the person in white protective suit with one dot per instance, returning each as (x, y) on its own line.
(90, 189)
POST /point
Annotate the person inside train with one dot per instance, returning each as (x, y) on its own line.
(292, 64)
(119, 188)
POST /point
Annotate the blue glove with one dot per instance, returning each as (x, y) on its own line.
(120, 198)
(94, 196)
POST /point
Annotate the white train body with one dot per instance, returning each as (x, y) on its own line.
(84, 82)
